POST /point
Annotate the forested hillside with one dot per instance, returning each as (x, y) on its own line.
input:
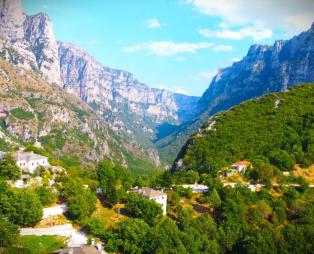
(277, 128)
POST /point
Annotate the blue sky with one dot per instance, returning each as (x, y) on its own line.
(173, 44)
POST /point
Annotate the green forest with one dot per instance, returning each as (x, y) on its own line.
(277, 128)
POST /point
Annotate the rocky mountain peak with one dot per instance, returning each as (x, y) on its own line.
(11, 19)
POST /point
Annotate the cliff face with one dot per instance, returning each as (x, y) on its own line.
(128, 106)
(28, 41)
(264, 69)
(110, 89)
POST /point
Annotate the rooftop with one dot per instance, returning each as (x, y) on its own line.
(242, 163)
(150, 193)
(79, 250)
(27, 156)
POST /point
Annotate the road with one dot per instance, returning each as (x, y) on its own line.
(76, 238)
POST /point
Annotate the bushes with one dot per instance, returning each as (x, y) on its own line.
(46, 195)
(22, 114)
(8, 168)
(142, 208)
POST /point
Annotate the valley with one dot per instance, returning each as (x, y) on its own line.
(94, 160)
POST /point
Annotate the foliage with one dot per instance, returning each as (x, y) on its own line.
(129, 237)
(114, 181)
(283, 135)
(8, 232)
(142, 208)
(20, 113)
(46, 195)
(25, 208)
(8, 168)
(81, 200)
(41, 244)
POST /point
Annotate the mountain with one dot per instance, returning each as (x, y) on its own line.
(68, 128)
(129, 106)
(263, 70)
(277, 128)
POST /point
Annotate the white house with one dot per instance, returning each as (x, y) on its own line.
(240, 166)
(158, 196)
(29, 161)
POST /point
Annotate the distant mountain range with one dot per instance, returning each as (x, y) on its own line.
(158, 121)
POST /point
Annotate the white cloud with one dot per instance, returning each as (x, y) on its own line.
(167, 48)
(203, 75)
(181, 59)
(222, 48)
(153, 23)
(255, 33)
(292, 16)
(179, 89)
(236, 59)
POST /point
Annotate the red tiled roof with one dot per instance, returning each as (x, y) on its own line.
(242, 163)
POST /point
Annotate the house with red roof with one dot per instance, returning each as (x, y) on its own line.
(240, 166)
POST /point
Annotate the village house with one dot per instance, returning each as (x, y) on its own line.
(240, 166)
(158, 196)
(29, 161)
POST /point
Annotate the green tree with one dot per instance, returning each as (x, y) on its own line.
(130, 236)
(8, 168)
(81, 206)
(46, 195)
(26, 209)
(142, 208)
(9, 232)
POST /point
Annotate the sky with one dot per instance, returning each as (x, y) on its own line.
(174, 44)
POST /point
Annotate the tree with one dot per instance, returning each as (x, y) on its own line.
(281, 159)
(130, 236)
(46, 195)
(81, 206)
(26, 209)
(9, 232)
(142, 208)
(8, 168)
(214, 198)
(165, 237)
(114, 180)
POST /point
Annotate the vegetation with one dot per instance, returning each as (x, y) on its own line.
(22, 114)
(22, 207)
(114, 181)
(142, 208)
(258, 129)
(8, 168)
(41, 244)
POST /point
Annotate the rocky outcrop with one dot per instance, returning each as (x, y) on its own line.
(28, 41)
(263, 70)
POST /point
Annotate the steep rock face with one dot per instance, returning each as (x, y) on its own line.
(28, 41)
(264, 69)
(86, 77)
(39, 33)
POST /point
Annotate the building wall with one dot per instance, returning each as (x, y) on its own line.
(30, 166)
(162, 200)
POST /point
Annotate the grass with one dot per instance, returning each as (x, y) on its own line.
(307, 174)
(41, 244)
(20, 113)
(53, 221)
(109, 217)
